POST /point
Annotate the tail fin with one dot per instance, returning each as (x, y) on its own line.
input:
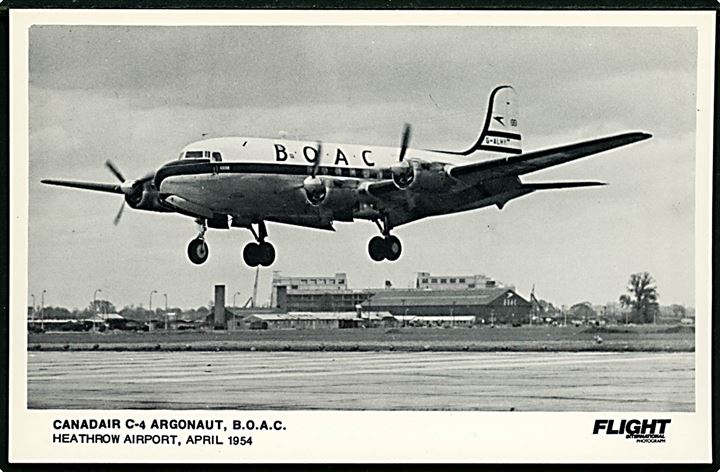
(501, 131)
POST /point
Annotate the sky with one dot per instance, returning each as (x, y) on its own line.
(137, 95)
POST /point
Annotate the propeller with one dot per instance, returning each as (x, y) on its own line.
(403, 172)
(128, 187)
(405, 141)
(116, 172)
(318, 157)
(116, 220)
(315, 189)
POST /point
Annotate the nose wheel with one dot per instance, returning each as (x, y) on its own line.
(197, 250)
(384, 247)
(260, 252)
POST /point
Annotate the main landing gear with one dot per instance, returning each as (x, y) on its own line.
(254, 254)
(259, 253)
(386, 246)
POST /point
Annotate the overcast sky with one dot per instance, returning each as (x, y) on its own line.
(136, 95)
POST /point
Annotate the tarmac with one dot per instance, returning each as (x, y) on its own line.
(459, 381)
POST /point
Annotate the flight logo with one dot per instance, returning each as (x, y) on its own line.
(642, 431)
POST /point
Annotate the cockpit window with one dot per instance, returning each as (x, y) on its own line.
(216, 156)
(193, 154)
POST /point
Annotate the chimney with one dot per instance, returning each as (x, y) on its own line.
(219, 312)
(281, 298)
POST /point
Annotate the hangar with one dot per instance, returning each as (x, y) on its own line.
(489, 304)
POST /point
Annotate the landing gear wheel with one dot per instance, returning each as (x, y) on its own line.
(198, 251)
(393, 248)
(256, 254)
(251, 254)
(376, 249)
(267, 254)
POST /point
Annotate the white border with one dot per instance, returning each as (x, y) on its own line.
(368, 436)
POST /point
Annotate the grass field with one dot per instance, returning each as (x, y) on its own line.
(526, 338)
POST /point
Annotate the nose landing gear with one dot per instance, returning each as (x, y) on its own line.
(261, 252)
(386, 246)
(197, 250)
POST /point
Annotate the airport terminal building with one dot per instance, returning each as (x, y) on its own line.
(446, 298)
(316, 294)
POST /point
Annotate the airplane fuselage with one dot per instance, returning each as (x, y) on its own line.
(252, 179)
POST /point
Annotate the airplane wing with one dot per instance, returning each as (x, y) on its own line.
(98, 187)
(532, 161)
(306, 222)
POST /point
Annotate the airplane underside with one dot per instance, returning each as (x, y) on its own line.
(257, 198)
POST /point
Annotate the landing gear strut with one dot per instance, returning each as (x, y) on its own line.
(259, 253)
(385, 247)
(197, 250)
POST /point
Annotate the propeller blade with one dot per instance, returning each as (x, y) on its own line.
(119, 214)
(318, 157)
(405, 141)
(116, 172)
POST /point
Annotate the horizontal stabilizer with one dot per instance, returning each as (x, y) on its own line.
(560, 185)
(536, 160)
(97, 187)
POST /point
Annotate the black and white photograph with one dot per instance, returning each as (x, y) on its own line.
(384, 217)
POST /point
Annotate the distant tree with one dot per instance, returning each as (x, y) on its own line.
(203, 309)
(583, 310)
(641, 298)
(102, 306)
(612, 311)
(678, 311)
(53, 312)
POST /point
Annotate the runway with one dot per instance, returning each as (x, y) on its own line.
(528, 381)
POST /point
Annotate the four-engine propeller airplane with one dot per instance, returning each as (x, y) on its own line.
(241, 182)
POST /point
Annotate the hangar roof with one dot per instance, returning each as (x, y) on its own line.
(416, 297)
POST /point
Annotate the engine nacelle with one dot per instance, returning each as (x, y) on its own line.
(428, 176)
(144, 197)
(315, 190)
(403, 174)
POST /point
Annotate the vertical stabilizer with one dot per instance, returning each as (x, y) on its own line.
(501, 131)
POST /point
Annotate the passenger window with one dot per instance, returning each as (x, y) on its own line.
(338, 171)
(193, 154)
(216, 156)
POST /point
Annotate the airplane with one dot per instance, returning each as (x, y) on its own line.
(243, 182)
